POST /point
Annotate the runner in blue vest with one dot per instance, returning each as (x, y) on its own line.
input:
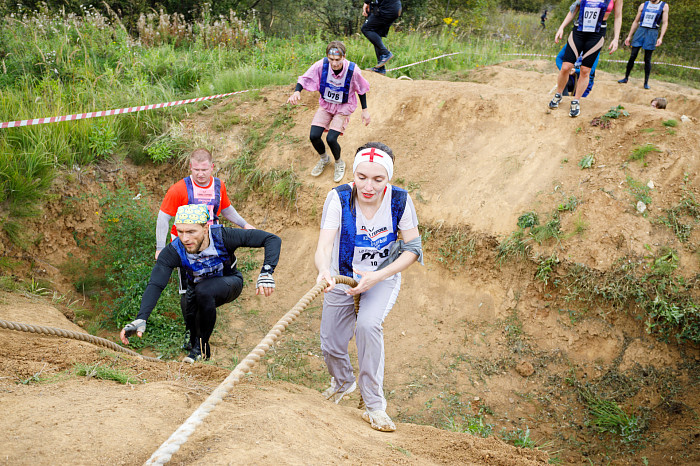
(586, 40)
(645, 34)
(337, 80)
(359, 238)
(207, 254)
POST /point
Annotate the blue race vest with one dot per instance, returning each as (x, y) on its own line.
(591, 14)
(206, 266)
(209, 196)
(348, 227)
(651, 15)
(332, 93)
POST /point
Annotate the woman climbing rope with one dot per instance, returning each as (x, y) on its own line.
(359, 238)
(337, 80)
(586, 40)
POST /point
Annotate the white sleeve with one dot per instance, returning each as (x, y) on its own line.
(332, 212)
(231, 214)
(409, 219)
(162, 227)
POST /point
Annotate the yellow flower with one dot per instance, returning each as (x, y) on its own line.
(447, 21)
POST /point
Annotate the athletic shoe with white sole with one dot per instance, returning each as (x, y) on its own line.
(575, 109)
(379, 420)
(384, 58)
(339, 171)
(320, 166)
(334, 394)
(554, 103)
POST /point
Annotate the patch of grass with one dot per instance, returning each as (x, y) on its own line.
(551, 229)
(99, 371)
(639, 191)
(640, 152)
(648, 130)
(528, 219)
(614, 113)
(514, 246)
(519, 438)
(545, 267)
(670, 123)
(459, 416)
(15, 232)
(587, 161)
(683, 217)
(413, 187)
(580, 225)
(569, 205)
(457, 249)
(607, 416)
(291, 361)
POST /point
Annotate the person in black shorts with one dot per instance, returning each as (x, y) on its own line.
(585, 40)
(207, 254)
(380, 14)
(645, 34)
(543, 19)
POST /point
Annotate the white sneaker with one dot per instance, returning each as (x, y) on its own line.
(379, 420)
(334, 394)
(339, 172)
(320, 166)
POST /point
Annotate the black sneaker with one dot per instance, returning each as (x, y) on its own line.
(575, 109)
(554, 103)
(379, 69)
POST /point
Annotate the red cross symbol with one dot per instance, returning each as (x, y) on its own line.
(371, 154)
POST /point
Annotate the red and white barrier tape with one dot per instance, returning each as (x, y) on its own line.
(119, 111)
(82, 116)
(608, 60)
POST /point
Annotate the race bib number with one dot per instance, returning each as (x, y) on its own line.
(369, 258)
(333, 97)
(648, 21)
(590, 19)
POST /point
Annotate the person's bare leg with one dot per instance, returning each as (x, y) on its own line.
(563, 77)
(582, 84)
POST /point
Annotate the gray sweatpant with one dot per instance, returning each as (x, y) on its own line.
(339, 323)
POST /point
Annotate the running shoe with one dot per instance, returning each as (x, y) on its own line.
(384, 58)
(378, 69)
(339, 172)
(194, 356)
(646, 86)
(334, 394)
(379, 420)
(555, 101)
(320, 166)
(623, 81)
(575, 109)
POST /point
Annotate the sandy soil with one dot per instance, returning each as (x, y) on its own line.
(475, 156)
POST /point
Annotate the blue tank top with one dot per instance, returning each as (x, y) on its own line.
(651, 15)
(348, 227)
(211, 197)
(215, 261)
(332, 93)
(591, 14)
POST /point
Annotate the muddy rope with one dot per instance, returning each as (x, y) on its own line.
(59, 332)
(180, 436)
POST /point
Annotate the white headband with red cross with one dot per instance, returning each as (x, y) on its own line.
(373, 154)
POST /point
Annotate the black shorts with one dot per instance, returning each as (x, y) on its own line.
(588, 44)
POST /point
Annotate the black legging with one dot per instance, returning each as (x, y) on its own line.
(201, 300)
(332, 139)
(647, 63)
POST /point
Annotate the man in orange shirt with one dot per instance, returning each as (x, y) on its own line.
(198, 188)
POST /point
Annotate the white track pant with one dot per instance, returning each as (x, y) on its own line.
(339, 323)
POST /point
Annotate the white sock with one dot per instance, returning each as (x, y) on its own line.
(339, 161)
(325, 158)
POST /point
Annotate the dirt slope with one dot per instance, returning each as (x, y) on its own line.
(464, 339)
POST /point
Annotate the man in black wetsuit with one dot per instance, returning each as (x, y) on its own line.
(380, 14)
(207, 254)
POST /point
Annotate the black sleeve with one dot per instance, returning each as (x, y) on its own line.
(168, 259)
(298, 88)
(363, 100)
(238, 237)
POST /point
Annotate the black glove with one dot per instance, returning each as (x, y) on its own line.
(139, 325)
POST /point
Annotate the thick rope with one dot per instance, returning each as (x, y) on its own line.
(180, 436)
(71, 334)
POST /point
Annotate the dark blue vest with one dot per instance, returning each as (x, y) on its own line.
(602, 7)
(192, 199)
(206, 267)
(657, 19)
(346, 86)
(348, 228)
